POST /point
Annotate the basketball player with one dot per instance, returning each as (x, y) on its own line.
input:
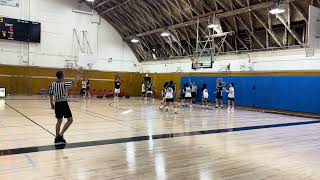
(205, 95)
(149, 89)
(88, 89)
(231, 97)
(117, 86)
(194, 92)
(163, 102)
(183, 95)
(58, 92)
(174, 85)
(170, 89)
(83, 88)
(188, 95)
(219, 95)
(143, 90)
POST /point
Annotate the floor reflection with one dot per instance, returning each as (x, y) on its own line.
(2, 104)
(131, 156)
(160, 167)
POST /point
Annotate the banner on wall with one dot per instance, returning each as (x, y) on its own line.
(14, 3)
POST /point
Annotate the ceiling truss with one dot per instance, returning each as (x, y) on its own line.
(253, 26)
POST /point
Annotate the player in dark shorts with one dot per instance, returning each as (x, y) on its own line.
(194, 92)
(117, 86)
(205, 95)
(231, 97)
(163, 102)
(149, 89)
(88, 89)
(143, 90)
(59, 102)
(183, 95)
(83, 90)
(169, 97)
(188, 95)
(219, 95)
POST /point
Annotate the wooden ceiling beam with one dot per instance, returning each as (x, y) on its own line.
(115, 7)
(205, 19)
(102, 3)
(260, 20)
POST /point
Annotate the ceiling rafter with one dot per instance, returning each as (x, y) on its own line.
(253, 27)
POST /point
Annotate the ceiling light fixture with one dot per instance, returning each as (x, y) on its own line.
(278, 8)
(165, 34)
(212, 26)
(135, 40)
(215, 24)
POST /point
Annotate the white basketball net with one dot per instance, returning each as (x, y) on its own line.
(309, 52)
(90, 65)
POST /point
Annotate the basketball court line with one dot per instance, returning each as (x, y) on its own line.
(110, 105)
(8, 152)
(30, 99)
(101, 116)
(269, 111)
(19, 112)
(14, 140)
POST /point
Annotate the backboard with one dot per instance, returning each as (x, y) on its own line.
(202, 59)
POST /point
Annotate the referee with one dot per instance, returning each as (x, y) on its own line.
(58, 98)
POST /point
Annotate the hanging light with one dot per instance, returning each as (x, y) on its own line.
(211, 26)
(165, 34)
(135, 40)
(215, 24)
(90, 0)
(278, 8)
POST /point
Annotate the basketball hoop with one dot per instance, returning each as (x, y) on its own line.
(202, 59)
(309, 52)
(90, 65)
(69, 65)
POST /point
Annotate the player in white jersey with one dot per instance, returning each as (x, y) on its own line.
(83, 92)
(169, 97)
(231, 97)
(205, 95)
(163, 92)
(143, 90)
(188, 95)
(182, 95)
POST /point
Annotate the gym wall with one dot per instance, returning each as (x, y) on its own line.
(294, 91)
(290, 91)
(62, 38)
(30, 80)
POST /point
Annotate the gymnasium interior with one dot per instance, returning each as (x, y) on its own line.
(269, 50)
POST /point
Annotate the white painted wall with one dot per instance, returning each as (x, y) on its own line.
(58, 45)
(284, 60)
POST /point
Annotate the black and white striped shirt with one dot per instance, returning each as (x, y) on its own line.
(59, 90)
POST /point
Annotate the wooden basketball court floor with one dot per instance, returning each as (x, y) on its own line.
(132, 139)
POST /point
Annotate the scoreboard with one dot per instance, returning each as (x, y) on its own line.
(20, 30)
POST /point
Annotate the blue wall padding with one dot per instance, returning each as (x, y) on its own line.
(290, 93)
